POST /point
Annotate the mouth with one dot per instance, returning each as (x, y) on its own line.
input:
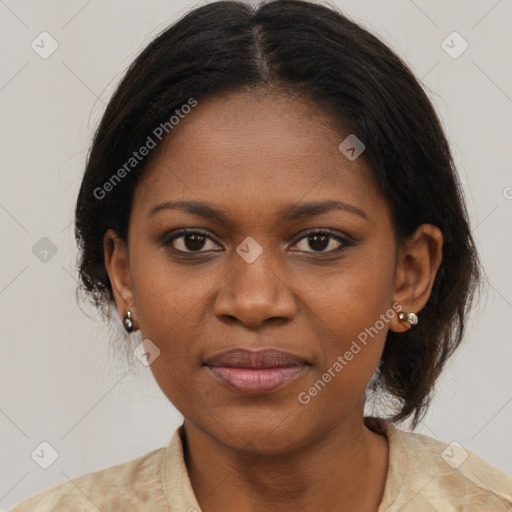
(253, 373)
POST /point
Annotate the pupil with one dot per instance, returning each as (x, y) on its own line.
(194, 242)
(318, 246)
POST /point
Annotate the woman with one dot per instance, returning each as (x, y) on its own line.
(271, 201)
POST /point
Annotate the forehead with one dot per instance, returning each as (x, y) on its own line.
(262, 150)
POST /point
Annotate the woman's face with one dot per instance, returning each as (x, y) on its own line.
(252, 279)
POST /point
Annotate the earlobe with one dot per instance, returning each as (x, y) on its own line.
(118, 269)
(419, 260)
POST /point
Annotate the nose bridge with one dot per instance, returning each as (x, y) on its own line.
(255, 289)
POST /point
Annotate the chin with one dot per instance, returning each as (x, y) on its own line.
(262, 431)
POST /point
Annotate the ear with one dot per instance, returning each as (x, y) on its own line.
(418, 261)
(118, 269)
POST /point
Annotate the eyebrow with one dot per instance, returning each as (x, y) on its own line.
(288, 213)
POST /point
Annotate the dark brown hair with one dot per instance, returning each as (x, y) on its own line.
(317, 52)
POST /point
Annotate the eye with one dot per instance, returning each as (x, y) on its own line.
(324, 241)
(195, 241)
(189, 241)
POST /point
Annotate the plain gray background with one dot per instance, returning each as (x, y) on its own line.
(60, 382)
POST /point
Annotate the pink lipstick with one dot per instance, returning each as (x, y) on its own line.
(258, 372)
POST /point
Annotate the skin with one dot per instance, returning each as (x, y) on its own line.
(252, 155)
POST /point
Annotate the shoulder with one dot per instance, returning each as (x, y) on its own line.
(137, 483)
(431, 475)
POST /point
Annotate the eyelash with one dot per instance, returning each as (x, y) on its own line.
(345, 242)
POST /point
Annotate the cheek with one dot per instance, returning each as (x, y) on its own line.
(353, 298)
(354, 311)
(171, 307)
(168, 296)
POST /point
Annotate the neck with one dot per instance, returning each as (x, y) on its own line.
(344, 469)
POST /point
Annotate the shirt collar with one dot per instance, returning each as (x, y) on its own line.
(175, 480)
(178, 489)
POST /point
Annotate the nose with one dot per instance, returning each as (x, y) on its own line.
(255, 293)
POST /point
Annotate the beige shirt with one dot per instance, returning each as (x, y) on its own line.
(424, 475)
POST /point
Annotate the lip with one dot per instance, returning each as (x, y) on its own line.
(255, 372)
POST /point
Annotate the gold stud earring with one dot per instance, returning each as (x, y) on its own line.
(128, 322)
(410, 318)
